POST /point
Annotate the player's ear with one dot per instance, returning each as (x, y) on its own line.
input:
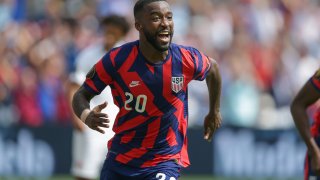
(138, 26)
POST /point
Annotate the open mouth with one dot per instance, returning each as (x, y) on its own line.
(164, 37)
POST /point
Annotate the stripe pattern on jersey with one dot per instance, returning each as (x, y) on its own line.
(151, 126)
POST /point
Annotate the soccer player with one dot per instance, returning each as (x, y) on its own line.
(307, 96)
(148, 80)
(90, 147)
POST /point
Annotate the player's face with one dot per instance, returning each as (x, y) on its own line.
(157, 25)
(112, 34)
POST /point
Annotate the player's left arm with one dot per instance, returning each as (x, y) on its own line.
(213, 119)
(307, 96)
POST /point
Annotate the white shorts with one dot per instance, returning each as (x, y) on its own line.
(89, 150)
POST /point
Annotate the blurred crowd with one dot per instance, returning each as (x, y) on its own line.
(266, 51)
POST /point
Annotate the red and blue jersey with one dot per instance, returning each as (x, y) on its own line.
(151, 125)
(315, 128)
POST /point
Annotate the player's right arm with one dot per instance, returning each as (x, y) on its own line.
(307, 96)
(92, 118)
(96, 80)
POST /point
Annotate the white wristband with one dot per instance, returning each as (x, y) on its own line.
(84, 114)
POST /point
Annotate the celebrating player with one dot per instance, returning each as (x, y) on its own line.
(148, 80)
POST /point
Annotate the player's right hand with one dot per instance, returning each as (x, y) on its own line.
(97, 120)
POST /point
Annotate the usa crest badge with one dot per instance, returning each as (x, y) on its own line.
(176, 84)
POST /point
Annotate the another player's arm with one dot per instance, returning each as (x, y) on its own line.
(213, 119)
(306, 96)
(93, 118)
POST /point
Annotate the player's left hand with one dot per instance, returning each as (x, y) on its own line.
(315, 161)
(211, 123)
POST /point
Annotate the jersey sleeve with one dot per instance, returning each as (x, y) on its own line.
(315, 79)
(202, 65)
(99, 76)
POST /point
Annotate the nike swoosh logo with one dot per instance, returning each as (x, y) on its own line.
(134, 84)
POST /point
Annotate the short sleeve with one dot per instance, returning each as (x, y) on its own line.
(315, 80)
(99, 76)
(202, 65)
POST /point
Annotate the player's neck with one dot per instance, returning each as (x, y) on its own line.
(151, 54)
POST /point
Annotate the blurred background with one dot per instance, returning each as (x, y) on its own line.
(266, 51)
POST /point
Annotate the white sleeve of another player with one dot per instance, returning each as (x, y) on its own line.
(85, 60)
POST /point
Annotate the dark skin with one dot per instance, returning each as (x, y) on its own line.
(307, 96)
(95, 119)
(155, 26)
(213, 120)
(155, 18)
(112, 34)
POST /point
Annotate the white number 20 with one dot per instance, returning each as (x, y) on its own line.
(140, 105)
(162, 176)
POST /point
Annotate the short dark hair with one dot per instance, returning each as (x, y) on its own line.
(116, 20)
(140, 5)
